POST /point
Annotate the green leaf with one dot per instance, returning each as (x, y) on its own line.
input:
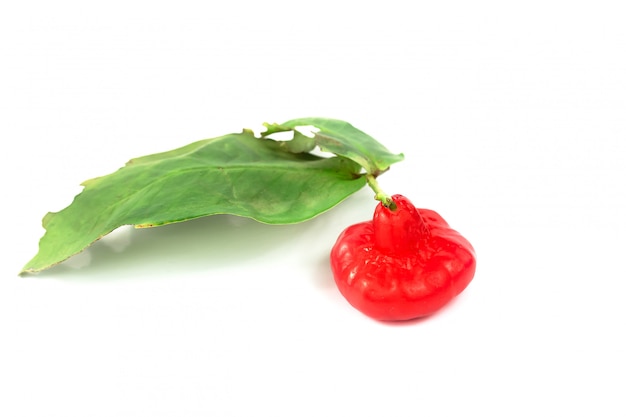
(272, 181)
(237, 174)
(341, 138)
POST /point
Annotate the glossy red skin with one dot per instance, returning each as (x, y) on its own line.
(403, 264)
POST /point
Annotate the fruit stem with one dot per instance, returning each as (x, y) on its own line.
(379, 193)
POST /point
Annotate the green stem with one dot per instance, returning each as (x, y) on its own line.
(379, 193)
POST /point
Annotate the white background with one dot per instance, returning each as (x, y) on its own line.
(511, 116)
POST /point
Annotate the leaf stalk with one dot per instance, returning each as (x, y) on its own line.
(380, 195)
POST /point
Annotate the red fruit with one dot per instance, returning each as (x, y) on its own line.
(403, 264)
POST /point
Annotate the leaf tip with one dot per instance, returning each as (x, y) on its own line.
(28, 270)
